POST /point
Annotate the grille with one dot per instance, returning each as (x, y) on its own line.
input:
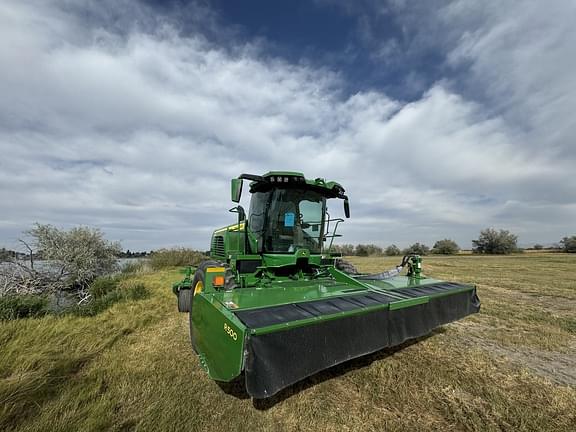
(218, 246)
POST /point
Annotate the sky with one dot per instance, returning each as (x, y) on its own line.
(439, 118)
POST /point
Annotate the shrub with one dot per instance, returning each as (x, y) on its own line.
(136, 266)
(103, 285)
(416, 249)
(106, 292)
(368, 250)
(22, 306)
(446, 247)
(568, 244)
(345, 249)
(491, 241)
(175, 257)
(393, 250)
(82, 253)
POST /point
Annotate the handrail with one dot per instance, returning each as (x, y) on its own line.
(333, 235)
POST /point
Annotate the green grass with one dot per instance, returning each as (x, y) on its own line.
(130, 367)
(165, 258)
(15, 307)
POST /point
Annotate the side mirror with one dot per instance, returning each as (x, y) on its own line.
(241, 213)
(236, 189)
(346, 207)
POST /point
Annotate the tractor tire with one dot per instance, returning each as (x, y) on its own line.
(346, 267)
(184, 298)
(197, 286)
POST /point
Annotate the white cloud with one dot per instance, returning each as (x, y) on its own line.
(138, 131)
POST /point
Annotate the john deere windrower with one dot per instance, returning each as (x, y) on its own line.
(275, 304)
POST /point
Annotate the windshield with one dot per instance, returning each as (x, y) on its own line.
(285, 220)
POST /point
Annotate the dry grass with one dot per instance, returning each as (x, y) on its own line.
(131, 367)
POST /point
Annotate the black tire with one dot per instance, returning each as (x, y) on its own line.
(346, 267)
(184, 300)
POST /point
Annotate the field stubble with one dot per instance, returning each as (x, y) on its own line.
(511, 367)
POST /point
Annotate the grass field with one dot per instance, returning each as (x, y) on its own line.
(511, 367)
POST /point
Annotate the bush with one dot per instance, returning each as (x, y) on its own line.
(175, 257)
(22, 306)
(368, 250)
(416, 249)
(345, 249)
(103, 285)
(106, 292)
(568, 244)
(491, 241)
(135, 266)
(446, 247)
(393, 250)
(82, 253)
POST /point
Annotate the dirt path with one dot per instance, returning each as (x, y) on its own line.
(559, 367)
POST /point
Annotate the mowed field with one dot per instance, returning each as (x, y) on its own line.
(511, 367)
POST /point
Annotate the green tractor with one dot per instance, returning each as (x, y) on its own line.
(274, 304)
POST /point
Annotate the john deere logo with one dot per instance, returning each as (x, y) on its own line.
(230, 332)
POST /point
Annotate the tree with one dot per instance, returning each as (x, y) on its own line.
(345, 249)
(393, 250)
(416, 249)
(492, 241)
(5, 255)
(446, 247)
(368, 250)
(79, 255)
(568, 244)
(538, 247)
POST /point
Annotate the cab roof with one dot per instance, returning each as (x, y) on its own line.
(291, 179)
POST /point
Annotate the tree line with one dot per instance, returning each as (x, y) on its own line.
(9, 254)
(490, 241)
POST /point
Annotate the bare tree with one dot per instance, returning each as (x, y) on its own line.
(76, 257)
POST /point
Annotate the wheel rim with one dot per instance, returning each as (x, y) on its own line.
(198, 288)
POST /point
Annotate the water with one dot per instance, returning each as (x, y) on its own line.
(41, 265)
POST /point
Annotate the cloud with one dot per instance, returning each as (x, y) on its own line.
(114, 117)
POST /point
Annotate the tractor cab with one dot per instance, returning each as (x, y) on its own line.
(287, 212)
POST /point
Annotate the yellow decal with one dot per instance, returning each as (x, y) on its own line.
(234, 227)
(230, 332)
(215, 270)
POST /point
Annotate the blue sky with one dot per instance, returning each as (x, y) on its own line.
(440, 118)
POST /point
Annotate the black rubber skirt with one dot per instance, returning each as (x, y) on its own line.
(278, 360)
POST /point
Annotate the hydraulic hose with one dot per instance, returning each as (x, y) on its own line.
(381, 276)
(388, 273)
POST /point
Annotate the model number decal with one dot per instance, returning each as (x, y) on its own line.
(230, 332)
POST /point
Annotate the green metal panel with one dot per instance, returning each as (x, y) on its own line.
(227, 241)
(284, 292)
(343, 277)
(219, 336)
(283, 173)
